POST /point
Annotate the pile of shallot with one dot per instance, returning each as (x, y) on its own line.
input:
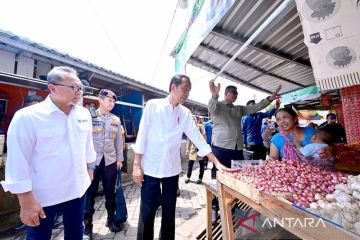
(295, 181)
(343, 206)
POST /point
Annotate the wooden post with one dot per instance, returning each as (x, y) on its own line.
(225, 203)
(209, 198)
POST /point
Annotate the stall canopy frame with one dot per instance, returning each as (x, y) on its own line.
(276, 56)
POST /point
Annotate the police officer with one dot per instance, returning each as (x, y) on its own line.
(108, 145)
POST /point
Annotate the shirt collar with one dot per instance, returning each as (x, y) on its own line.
(103, 116)
(168, 104)
(50, 105)
(227, 104)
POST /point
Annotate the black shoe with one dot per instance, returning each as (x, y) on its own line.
(58, 221)
(199, 181)
(187, 180)
(87, 233)
(112, 226)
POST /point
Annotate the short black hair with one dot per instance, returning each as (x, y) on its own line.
(177, 80)
(250, 102)
(230, 88)
(325, 135)
(330, 115)
(32, 98)
(288, 110)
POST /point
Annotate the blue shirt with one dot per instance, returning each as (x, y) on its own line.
(208, 130)
(279, 141)
(251, 127)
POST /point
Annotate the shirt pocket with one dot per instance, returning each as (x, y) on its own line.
(98, 126)
(48, 139)
(83, 130)
(113, 131)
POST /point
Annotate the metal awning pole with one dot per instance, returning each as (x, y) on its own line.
(285, 4)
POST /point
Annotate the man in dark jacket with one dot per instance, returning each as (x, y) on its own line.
(251, 130)
(335, 128)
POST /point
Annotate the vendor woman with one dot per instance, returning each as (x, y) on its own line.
(282, 144)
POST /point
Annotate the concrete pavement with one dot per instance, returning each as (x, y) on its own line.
(190, 212)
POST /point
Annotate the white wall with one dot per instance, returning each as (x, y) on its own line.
(25, 66)
(42, 69)
(7, 61)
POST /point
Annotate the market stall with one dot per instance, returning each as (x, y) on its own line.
(310, 202)
(295, 44)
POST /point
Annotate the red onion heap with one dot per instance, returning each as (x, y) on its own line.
(295, 181)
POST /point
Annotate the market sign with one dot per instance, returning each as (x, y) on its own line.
(332, 35)
(205, 15)
(304, 94)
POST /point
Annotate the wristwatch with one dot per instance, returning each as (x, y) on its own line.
(91, 167)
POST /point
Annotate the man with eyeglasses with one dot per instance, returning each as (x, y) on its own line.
(108, 144)
(51, 158)
(227, 141)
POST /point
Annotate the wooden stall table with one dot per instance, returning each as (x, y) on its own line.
(215, 231)
(272, 207)
(211, 192)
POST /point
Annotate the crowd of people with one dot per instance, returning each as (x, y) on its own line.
(58, 151)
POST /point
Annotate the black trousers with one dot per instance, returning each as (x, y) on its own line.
(108, 176)
(259, 151)
(202, 167)
(73, 213)
(225, 156)
(151, 190)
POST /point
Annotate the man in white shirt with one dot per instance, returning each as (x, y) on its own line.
(51, 158)
(157, 162)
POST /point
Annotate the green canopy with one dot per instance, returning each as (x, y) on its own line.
(304, 94)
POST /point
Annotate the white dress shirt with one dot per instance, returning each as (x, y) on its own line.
(159, 137)
(48, 152)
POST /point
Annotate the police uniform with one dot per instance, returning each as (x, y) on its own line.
(108, 144)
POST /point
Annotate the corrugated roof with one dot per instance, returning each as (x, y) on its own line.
(276, 56)
(102, 78)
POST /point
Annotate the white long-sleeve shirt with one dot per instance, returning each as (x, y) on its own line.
(159, 137)
(48, 152)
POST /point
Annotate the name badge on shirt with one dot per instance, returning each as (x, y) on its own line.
(98, 125)
(83, 120)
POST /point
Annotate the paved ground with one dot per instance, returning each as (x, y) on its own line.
(190, 212)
